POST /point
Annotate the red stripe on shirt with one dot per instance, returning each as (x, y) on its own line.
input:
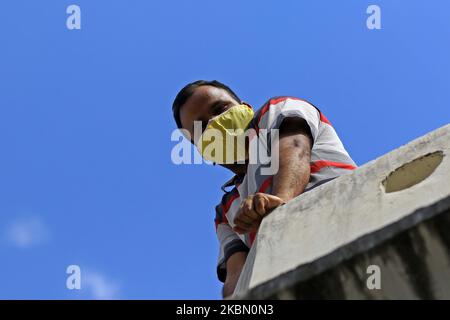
(324, 119)
(251, 237)
(318, 165)
(225, 208)
(227, 205)
(272, 102)
(266, 107)
(216, 222)
(266, 184)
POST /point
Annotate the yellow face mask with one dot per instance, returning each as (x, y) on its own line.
(223, 140)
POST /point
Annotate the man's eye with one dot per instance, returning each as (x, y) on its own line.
(220, 108)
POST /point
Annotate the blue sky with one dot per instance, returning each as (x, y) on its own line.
(86, 175)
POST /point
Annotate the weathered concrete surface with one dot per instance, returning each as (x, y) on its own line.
(392, 212)
(414, 264)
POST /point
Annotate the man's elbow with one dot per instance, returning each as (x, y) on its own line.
(235, 264)
(228, 289)
(230, 283)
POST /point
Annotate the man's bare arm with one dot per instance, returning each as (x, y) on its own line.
(235, 263)
(295, 143)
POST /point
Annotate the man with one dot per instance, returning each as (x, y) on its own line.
(309, 153)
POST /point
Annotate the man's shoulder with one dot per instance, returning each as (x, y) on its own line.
(279, 105)
(278, 99)
(275, 100)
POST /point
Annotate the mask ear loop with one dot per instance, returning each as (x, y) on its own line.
(247, 104)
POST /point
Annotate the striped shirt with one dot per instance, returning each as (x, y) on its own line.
(329, 159)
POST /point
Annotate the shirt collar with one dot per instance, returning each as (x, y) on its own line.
(232, 182)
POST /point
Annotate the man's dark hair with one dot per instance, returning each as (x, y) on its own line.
(189, 89)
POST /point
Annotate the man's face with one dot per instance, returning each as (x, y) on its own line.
(205, 103)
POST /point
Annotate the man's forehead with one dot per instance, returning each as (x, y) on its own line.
(200, 100)
(205, 93)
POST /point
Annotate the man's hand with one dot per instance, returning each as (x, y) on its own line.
(253, 210)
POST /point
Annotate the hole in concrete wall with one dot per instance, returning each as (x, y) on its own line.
(412, 172)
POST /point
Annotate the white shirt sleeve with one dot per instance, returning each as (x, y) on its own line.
(277, 109)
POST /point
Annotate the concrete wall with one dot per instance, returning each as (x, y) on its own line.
(392, 212)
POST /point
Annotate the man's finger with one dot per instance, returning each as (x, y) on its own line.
(245, 217)
(273, 201)
(259, 203)
(252, 214)
(247, 205)
(248, 210)
(242, 224)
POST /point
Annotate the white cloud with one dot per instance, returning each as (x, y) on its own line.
(27, 232)
(98, 286)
